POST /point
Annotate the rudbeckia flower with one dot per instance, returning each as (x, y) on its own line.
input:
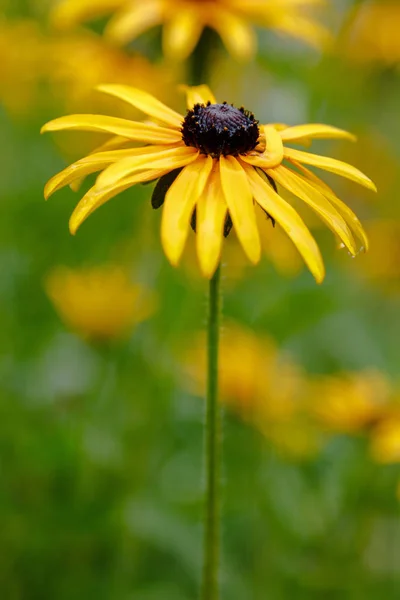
(213, 167)
(99, 303)
(184, 21)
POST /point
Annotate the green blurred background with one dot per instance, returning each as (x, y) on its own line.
(101, 439)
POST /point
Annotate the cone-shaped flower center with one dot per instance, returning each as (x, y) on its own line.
(218, 129)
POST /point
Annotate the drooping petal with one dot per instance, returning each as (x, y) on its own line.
(317, 201)
(211, 210)
(95, 162)
(152, 134)
(199, 94)
(144, 102)
(95, 197)
(315, 131)
(272, 156)
(179, 203)
(165, 159)
(134, 19)
(239, 199)
(289, 220)
(346, 212)
(332, 165)
(237, 36)
(182, 32)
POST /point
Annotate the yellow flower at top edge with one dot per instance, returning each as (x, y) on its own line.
(374, 33)
(184, 20)
(212, 167)
(99, 303)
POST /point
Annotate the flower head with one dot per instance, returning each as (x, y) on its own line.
(213, 166)
(184, 21)
(99, 303)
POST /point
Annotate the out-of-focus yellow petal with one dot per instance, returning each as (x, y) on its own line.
(182, 32)
(179, 203)
(128, 129)
(346, 212)
(165, 159)
(95, 198)
(235, 33)
(211, 210)
(315, 131)
(303, 29)
(144, 102)
(199, 94)
(314, 198)
(273, 153)
(134, 19)
(289, 220)
(239, 199)
(332, 165)
(70, 12)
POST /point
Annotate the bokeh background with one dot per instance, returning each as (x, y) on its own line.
(102, 341)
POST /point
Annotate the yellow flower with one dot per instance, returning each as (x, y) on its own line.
(259, 384)
(349, 403)
(373, 35)
(213, 166)
(385, 441)
(184, 21)
(100, 303)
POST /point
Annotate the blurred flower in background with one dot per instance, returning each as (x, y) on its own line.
(101, 303)
(261, 385)
(39, 70)
(184, 20)
(372, 36)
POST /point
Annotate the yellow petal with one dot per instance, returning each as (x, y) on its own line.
(70, 12)
(289, 220)
(239, 199)
(199, 94)
(134, 19)
(317, 201)
(165, 159)
(236, 34)
(95, 198)
(332, 165)
(122, 127)
(114, 143)
(211, 211)
(314, 131)
(303, 29)
(182, 32)
(144, 102)
(346, 212)
(95, 162)
(179, 203)
(81, 168)
(272, 156)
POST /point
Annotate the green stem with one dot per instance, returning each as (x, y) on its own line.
(210, 589)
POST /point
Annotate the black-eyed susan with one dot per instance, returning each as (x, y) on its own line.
(184, 20)
(214, 165)
(99, 303)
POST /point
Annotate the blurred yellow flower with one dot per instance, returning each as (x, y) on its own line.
(261, 385)
(348, 403)
(21, 65)
(214, 166)
(184, 20)
(99, 303)
(38, 69)
(374, 33)
(383, 266)
(385, 441)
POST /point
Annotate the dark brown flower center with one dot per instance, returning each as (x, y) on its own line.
(218, 129)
